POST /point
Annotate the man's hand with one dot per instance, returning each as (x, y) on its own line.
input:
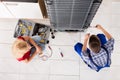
(84, 48)
(104, 31)
(38, 49)
(87, 36)
(99, 27)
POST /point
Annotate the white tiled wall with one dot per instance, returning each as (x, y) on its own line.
(69, 67)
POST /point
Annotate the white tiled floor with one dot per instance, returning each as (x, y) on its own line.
(69, 67)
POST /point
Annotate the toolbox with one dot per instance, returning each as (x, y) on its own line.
(27, 27)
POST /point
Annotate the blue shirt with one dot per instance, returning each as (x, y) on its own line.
(100, 58)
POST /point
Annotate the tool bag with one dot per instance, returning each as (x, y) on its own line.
(26, 27)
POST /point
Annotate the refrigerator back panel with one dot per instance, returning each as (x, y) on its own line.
(69, 14)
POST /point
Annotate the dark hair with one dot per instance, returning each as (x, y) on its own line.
(94, 43)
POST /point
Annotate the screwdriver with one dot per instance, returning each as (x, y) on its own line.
(61, 52)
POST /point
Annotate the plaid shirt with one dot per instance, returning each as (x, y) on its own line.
(100, 58)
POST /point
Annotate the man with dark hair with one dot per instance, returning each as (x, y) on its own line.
(99, 54)
(94, 43)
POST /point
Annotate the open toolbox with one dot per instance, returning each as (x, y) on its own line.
(26, 27)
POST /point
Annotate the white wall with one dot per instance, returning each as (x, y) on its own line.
(20, 10)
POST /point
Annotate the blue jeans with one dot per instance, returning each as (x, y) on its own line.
(78, 46)
(37, 41)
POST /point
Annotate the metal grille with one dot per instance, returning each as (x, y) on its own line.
(70, 14)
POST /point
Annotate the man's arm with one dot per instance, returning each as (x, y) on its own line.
(84, 48)
(104, 31)
(30, 58)
(38, 48)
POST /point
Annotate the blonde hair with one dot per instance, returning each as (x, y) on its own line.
(19, 47)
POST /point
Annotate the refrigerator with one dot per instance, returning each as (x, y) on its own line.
(71, 15)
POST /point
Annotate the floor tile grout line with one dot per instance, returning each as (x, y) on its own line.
(23, 73)
(49, 71)
(5, 43)
(60, 45)
(62, 75)
(50, 74)
(63, 60)
(49, 59)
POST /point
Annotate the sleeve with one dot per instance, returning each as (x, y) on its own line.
(110, 45)
(20, 37)
(86, 58)
(85, 53)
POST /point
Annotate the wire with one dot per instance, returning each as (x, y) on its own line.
(45, 57)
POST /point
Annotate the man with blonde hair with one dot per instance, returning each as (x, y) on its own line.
(25, 48)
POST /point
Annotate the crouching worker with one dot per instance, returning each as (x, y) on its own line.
(99, 54)
(25, 48)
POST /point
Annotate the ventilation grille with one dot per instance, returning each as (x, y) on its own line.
(70, 14)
